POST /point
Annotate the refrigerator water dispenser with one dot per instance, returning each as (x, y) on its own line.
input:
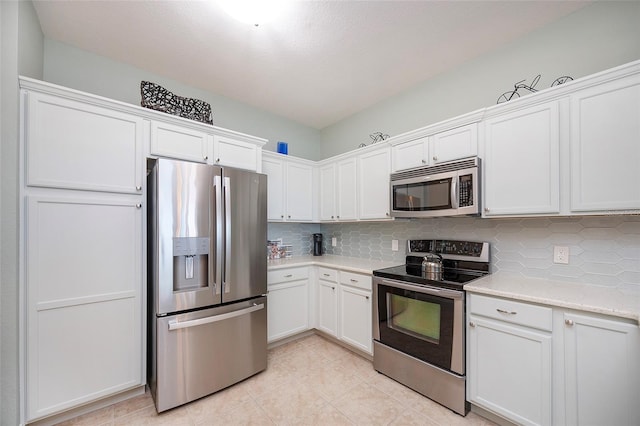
(190, 263)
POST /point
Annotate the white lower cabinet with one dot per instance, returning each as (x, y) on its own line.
(328, 301)
(601, 370)
(84, 281)
(354, 312)
(288, 295)
(537, 365)
(509, 359)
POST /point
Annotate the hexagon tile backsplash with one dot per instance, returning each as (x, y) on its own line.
(603, 250)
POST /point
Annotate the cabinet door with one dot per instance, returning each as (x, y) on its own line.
(602, 378)
(521, 162)
(288, 312)
(74, 145)
(454, 144)
(84, 283)
(328, 192)
(235, 153)
(274, 169)
(328, 307)
(355, 318)
(409, 154)
(605, 147)
(346, 189)
(510, 371)
(373, 184)
(183, 143)
(299, 192)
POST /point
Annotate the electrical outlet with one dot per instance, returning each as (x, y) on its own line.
(561, 254)
(334, 241)
(394, 245)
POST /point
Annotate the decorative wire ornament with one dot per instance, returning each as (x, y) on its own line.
(378, 137)
(507, 96)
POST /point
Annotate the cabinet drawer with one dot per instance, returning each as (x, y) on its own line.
(286, 275)
(510, 311)
(355, 280)
(328, 274)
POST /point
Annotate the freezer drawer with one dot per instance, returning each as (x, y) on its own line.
(202, 352)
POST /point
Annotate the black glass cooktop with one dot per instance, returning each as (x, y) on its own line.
(451, 277)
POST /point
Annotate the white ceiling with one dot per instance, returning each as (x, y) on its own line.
(317, 63)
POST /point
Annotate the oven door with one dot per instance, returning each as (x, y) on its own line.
(426, 323)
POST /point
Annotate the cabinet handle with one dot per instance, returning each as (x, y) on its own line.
(472, 324)
(288, 276)
(506, 312)
(353, 281)
(568, 322)
(435, 158)
(138, 188)
(326, 275)
(138, 206)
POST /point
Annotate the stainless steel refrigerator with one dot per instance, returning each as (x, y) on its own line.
(207, 279)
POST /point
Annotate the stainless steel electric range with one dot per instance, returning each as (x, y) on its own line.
(419, 318)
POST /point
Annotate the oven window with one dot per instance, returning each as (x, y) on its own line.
(414, 317)
(432, 195)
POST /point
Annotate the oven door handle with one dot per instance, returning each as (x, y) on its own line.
(435, 291)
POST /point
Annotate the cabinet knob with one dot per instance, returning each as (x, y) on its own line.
(435, 158)
(333, 288)
(568, 322)
(486, 209)
(206, 157)
(138, 206)
(281, 216)
(472, 324)
(424, 161)
(366, 297)
(331, 217)
(387, 213)
(217, 160)
(289, 216)
(138, 188)
(337, 217)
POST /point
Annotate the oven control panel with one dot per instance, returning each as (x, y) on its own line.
(471, 249)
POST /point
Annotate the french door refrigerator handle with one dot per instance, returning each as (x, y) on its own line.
(217, 191)
(175, 325)
(227, 232)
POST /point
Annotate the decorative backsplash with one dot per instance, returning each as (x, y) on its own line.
(603, 250)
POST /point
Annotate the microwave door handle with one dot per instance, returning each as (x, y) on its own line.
(455, 198)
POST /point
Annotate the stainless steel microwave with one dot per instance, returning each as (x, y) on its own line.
(447, 189)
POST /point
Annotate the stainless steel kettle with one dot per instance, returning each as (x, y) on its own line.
(432, 266)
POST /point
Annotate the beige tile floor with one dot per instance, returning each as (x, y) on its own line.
(310, 381)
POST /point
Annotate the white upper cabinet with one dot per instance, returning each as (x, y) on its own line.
(183, 143)
(70, 144)
(290, 188)
(605, 147)
(346, 189)
(521, 162)
(440, 147)
(410, 154)
(454, 144)
(373, 184)
(328, 192)
(237, 153)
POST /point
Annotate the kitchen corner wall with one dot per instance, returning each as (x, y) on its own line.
(604, 250)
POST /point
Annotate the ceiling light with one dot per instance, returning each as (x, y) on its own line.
(254, 12)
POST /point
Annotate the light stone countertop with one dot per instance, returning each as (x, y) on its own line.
(350, 264)
(614, 301)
